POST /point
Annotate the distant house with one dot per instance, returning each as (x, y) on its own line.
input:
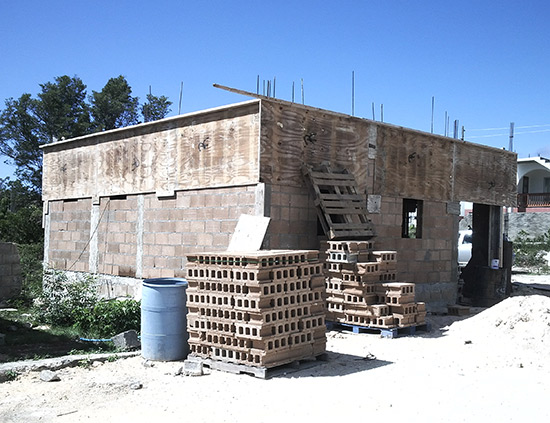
(533, 184)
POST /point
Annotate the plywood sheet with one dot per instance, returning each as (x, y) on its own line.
(385, 160)
(484, 175)
(424, 166)
(293, 136)
(215, 148)
(412, 164)
(249, 233)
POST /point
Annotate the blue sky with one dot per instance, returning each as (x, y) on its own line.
(486, 63)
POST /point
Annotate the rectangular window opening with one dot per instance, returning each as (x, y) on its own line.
(411, 226)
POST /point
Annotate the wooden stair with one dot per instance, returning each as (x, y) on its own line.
(341, 209)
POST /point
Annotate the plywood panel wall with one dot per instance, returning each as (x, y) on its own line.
(293, 136)
(213, 148)
(385, 159)
(270, 141)
(485, 175)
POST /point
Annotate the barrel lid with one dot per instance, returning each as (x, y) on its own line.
(165, 282)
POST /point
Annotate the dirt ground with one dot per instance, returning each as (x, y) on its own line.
(490, 366)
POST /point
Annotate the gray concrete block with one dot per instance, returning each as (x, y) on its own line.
(126, 340)
(193, 367)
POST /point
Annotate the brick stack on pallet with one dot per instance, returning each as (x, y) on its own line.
(362, 289)
(261, 309)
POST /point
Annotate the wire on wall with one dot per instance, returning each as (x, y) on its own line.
(107, 206)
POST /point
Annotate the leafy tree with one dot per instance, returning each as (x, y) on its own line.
(21, 222)
(59, 112)
(114, 107)
(63, 109)
(20, 137)
(20, 213)
(155, 108)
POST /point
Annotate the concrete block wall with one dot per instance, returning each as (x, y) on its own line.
(193, 221)
(293, 223)
(66, 244)
(428, 262)
(10, 271)
(116, 236)
(142, 236)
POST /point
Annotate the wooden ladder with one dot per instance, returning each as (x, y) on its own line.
(341, 209)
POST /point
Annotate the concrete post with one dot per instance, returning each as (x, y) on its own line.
(139, 236)
(94, 250)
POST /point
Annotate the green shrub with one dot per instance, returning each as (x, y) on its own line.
(10, 375)
(62, 297)
(74, 302)
(107, 318)
(32, 271)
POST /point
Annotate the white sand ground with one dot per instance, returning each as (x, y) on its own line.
(493, 366)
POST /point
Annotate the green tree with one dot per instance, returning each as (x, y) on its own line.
(114, 107)
(155, 108)
(21, 135)
(62, 108)
(20, 213)
(60, 111)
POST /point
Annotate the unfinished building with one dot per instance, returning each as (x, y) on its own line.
(131, 203)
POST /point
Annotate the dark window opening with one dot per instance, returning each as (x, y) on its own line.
(411, 222)
(525, 185)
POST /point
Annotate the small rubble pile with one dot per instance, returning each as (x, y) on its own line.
(262, 309)
(362, 288)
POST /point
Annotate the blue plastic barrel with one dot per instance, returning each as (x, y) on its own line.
(164, 334)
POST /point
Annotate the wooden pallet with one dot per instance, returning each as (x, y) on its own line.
(341, 209)
(392, 332)
(193, 362)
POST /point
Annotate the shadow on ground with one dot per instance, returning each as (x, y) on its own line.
(328, 365)
(23, 343)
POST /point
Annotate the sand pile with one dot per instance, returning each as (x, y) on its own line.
(517, 317)
(516, 328)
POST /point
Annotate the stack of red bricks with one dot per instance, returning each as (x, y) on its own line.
(362, 289)
(262, 309)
